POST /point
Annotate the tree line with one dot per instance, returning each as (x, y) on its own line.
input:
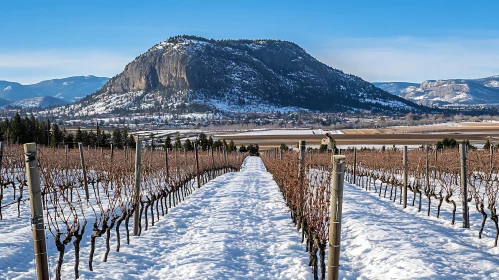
(202, 140)
(18, 130)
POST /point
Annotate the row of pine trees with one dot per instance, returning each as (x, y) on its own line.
(20, 130)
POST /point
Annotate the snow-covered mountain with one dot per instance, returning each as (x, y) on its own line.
(68, 89)
(39, 102)
(447, 92)
(232, 75)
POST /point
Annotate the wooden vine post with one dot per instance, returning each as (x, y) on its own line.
(464, 187)
(491, 148)
(427, 171)
(197, 165)
(405, 176)
(35, 201)
(85, 182)
(136, 192)
(166, 165)
(301, 165)
(355, 165)
(336, 208)
(1, 154)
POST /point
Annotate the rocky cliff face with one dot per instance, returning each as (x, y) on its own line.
(448, 92)
(230, 73)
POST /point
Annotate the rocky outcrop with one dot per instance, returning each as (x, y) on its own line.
(246, 71)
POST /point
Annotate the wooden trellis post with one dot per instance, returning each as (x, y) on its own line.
(85, 182)
(464, 187)
(405, 176)
(197, 165)
(355, 165)
(136, 193)
(427, 179)
(336, 208)
(301, 165)
(35, 201)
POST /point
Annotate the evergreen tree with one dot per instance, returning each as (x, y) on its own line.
(188, 145)
(202, 141)
(168, 143)
(210, 142)
(117, 139)
(16, 129)
(151, 139)
(78, 137)
(323, 148)
(217, 144)
(243, 149)
(56, 136)
(232, 147)
(487, 145)
(253, 149)
(178, 144)
(131, 141)
(284, 147)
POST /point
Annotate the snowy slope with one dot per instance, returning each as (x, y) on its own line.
(235, 227)
(39, 102)
(444, 92)
(69, 89)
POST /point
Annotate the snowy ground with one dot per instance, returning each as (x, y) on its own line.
(381, 240)
(235, 227)
(257, 132)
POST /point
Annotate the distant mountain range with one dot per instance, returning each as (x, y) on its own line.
(234, 76)
(447, 92)
(54, 92)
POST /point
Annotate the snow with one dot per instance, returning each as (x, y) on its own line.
(494, 84)
(385, 241)
(237, 226)
(7, 88)
(287, 132)
(258, 106)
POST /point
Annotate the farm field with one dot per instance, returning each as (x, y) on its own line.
(476, 133)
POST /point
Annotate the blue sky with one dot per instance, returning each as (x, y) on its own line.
(376, 40)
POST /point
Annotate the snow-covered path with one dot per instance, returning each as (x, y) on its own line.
(235, 227)
(381, 240)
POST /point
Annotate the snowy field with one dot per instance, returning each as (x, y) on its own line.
(257, 132)
(235, 227)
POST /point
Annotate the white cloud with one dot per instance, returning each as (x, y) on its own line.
(32, 67)
(413, 59)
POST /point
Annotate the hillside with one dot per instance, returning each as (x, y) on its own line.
(68, 89)
(39, 102)
(447, 92)
(233, 75)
